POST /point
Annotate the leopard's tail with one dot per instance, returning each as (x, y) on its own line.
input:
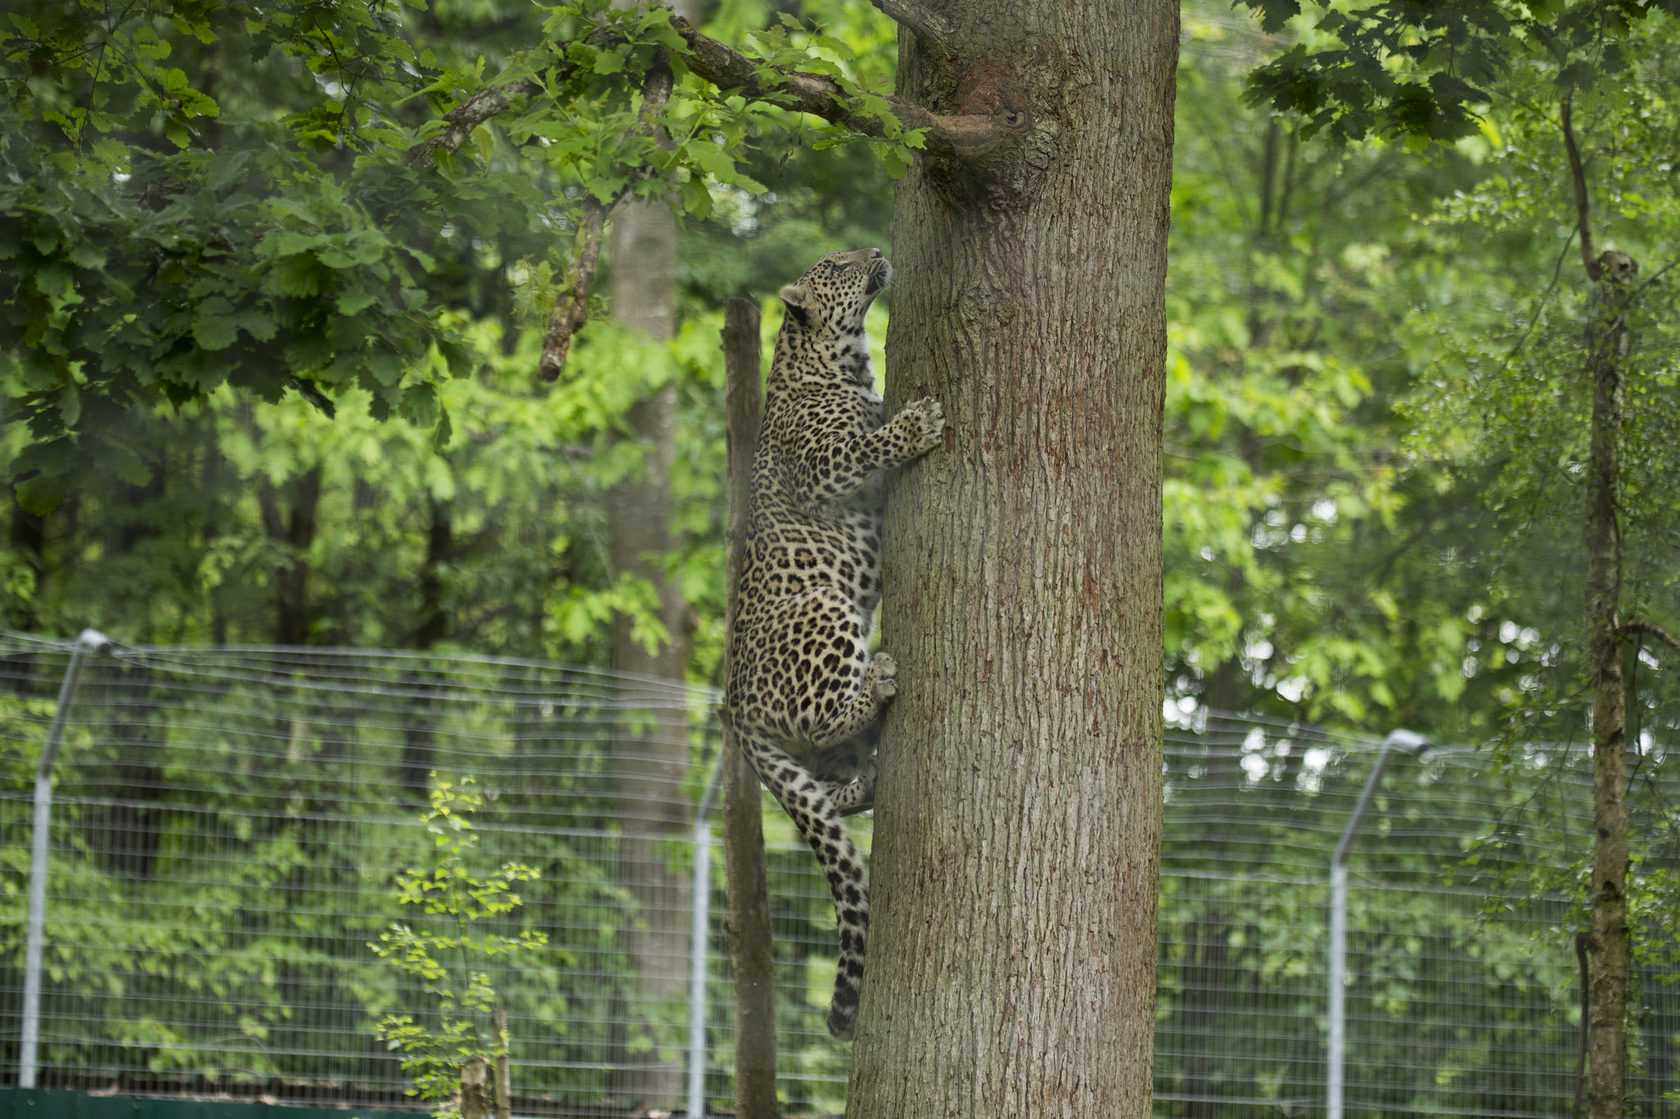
(808, 803)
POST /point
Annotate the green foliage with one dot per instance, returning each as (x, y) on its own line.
(196, 197)
(256, 345)
(446, 956)
(1292, 270)
(1505, 400)
(213, 920)
(1427, 70)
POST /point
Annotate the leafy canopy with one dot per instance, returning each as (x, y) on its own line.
(205, 194)
(1422, 68)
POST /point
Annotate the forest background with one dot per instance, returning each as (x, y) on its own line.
(316, 417)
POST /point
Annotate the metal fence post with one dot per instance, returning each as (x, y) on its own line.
(90, 641)
(1336, 1048)
(702, 914)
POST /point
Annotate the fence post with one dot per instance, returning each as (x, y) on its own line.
(702, 913)
(90, 641)
(1410, 743)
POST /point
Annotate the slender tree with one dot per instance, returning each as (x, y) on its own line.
(651, 764)
(750, 945)
(1432, 74)
(1607, 340)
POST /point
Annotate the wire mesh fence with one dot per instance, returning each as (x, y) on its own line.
(228, 829)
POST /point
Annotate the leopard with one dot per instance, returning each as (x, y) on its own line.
(805, 694)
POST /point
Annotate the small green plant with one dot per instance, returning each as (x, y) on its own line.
(446, 955)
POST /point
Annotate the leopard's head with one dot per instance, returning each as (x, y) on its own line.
(833, 296)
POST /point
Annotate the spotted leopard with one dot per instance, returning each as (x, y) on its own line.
(804, 693)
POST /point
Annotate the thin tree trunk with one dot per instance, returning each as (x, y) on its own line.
(743, 811)
(293, 527)
(650, 767)
(1610, 953)
(504, 1065)
(1017, 837)
(1611, 950)
(420, 717)
(213, 476)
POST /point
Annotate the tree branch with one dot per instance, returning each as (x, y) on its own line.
(965, 136)
(727, 68)
(933, 29)
(1641, 628)
(1655, 276)
(467, 116)
(571, 305)
(1578, 177)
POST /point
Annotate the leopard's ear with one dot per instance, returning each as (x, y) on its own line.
(797, 299)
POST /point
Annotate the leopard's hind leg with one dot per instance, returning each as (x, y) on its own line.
(817, 817)
(809, 684)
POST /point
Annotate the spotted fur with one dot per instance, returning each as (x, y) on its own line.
(804, 694)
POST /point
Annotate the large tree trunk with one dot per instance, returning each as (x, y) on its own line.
(1017, 838)
(651, 767)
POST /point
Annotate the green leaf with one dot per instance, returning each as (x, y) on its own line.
(70, 405)
(258, 323)
(43, 493)
(696, 199)
(355, 302)
(288, 242)
(214, 326)
(1275, 13)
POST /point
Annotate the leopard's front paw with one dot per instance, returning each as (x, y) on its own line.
(883, 671)
(924, 420)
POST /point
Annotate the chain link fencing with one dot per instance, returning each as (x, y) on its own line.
(227, 828)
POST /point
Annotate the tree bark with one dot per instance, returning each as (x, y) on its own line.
(750, 942)
(1017, 837)
(1610, 956)
(475, 1089)
(504, 1065)
(650, 766)
(1610, 950)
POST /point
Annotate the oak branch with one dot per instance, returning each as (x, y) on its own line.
(961, 137)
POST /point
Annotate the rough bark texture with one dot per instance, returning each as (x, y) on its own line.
(1017, 837)
(650, 769)
(1610, 944)
(750, 945)
(475, 1089)
(504, 1066)
(1610, 948)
